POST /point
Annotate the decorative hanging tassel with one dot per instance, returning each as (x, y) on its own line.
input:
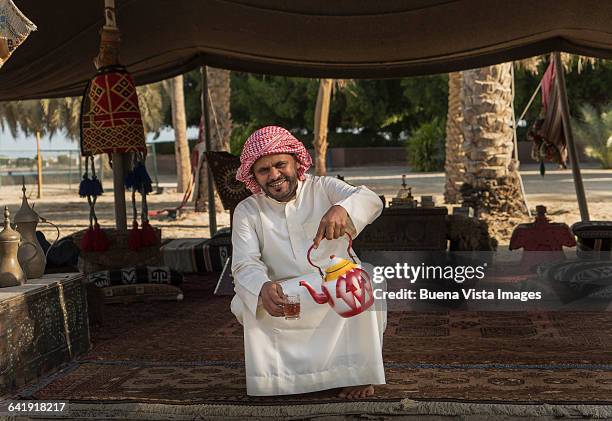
(96, 186)
(130, 180)
(100, 240)
(87, 242)
(95, 238)
(149, 236)
(134, 237)
(85, 187)
(142, 180)
(138, 179)
(542, 168)
(134, 234)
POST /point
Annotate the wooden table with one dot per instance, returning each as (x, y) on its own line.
(43, 324)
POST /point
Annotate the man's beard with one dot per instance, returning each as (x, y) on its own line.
(287, 189)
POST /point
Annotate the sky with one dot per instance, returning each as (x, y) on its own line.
(25, 146)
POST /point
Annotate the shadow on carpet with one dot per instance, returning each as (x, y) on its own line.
(191, 352)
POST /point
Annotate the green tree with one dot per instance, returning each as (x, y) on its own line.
(594, 131)
(425, 146)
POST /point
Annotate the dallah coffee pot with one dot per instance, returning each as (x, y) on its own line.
(345, 286)
(11, 273)
(32, 259)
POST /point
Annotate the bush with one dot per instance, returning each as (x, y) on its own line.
(594, 131)
(425, 147)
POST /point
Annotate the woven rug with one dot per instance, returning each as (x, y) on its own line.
(191, 352)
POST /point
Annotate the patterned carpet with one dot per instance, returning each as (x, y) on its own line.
(192, 352)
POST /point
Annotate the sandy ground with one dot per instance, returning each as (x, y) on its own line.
(556, 191)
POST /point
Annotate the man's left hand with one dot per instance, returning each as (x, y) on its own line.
(334, 224)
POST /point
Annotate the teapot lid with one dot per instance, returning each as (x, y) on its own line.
(8, 234)
(25, 213)
(337, 267)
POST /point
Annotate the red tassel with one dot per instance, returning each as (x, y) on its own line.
(149, 237)
(100, 240)
(135, 237)
(87, 243)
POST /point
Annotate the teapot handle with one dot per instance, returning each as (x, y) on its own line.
(348, 250)
(29, 243)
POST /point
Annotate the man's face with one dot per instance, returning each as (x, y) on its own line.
(277, 176)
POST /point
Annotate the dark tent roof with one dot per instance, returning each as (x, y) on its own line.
(337, 38)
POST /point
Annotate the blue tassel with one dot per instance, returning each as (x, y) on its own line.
(130, 180)
(84, 186)
(96, 186)
(90, 187)
(143, 181)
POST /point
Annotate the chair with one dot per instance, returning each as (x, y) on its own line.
(223, 167)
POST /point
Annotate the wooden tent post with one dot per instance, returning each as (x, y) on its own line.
(119, 191)
(569, 136)
(212, 211)
(110, 40)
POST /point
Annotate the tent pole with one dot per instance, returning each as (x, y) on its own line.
(119, 191)
(515, 142)
(567, 130)
(212, 211)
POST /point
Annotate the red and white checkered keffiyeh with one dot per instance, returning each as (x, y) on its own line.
(270, 140)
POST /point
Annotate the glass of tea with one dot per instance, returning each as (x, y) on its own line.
(291, 308)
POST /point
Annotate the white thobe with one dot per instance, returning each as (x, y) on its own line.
(270, 241)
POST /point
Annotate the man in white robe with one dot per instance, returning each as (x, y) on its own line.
(272, 232)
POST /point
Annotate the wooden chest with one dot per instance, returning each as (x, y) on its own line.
(405, 229)
(43, 324)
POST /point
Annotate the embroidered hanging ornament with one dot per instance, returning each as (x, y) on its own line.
(138, 180)
(94, 238)
(110, 115)
(14, 29)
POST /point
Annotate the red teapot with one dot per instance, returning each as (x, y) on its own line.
(345, 286)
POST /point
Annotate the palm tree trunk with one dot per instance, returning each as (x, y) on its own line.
(181, 146)
(491, 177)
(220, 129)
(454, 166)
(221, 117)
(39, 166)
(321, 119)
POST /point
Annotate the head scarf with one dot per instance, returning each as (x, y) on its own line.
(270, 140)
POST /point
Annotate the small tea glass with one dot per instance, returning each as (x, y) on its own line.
(291, 308)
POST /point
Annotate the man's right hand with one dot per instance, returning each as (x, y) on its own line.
(273, 298)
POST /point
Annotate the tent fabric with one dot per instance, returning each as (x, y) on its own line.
(311, 38)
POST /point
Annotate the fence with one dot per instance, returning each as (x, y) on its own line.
(60, 167)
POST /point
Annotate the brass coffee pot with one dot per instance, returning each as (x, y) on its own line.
(32, 259)
(11, 273)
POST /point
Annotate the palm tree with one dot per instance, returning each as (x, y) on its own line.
(594, 130)
(35, 117)
(491, 180)
(219, 90)
(152, 103)
(181, 146)
(327, 87)
(321, 119)
(453, 165)
(221, 117)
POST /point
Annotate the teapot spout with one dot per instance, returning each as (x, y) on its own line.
(320, 298)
